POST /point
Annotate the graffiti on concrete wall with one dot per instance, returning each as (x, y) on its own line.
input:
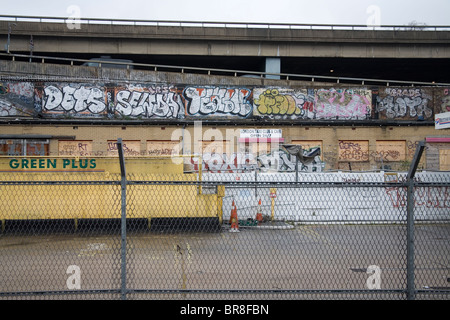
(349, 104)
(401, 103)
(148, 102)
(276, 160)
(217, 101)
(130, 101)
(279, 102)
(74, 99)
(16, 99)
(445, 101)
(172, 102)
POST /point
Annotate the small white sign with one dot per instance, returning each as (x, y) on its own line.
(442, 120)
(261, 133)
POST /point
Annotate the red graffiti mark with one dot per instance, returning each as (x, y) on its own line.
(309, 106)
(429, 197)
(245, 92)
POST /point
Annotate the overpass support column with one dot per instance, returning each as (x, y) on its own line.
(273, 65)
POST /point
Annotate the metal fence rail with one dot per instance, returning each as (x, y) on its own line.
(221, 24)
(128, 236)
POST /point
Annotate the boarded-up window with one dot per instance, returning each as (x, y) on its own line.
(444, 159)
(78, 148)
(131, 148)
(390, 150)
(24, 147)
(353, 150)
(215, 146)
(163, 148)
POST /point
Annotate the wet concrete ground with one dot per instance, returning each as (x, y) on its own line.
(258, 262)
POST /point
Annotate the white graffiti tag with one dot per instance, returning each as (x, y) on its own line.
(398, 101)
(148, 105)
(74, 99)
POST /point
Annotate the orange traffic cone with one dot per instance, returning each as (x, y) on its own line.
(232, 209)
(234, 219)
(259, 215)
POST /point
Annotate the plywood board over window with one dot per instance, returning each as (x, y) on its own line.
(353, 150)
(215, 146)
(24, 147)
(77, 148)
(156, 148)
(444, 159)
(131, 148)
(390, 150)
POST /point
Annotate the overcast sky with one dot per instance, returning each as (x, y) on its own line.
(373, 12)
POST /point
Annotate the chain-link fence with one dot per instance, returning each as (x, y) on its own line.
(254, 235)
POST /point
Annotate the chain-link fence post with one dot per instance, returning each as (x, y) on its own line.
(123, 249)
(410, 287)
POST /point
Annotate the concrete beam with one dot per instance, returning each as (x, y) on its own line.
(215, 41)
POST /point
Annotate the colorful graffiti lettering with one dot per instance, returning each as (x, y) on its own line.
(204, 101)
(272, 102)
(313, 104)
(343, 104)
(178, 102)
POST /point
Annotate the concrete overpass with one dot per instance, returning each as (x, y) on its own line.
(410, 53)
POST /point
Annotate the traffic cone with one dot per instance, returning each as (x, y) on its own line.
(259, 215)
(232, 209)
(234, 219)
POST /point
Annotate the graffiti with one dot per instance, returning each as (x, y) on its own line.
(405, 103)
(222, 162)
(390, 155)
(16, 99)
(313, 104)
(3, 89)
(148, 105)
(164, 101)
(204, 101)
(25, 89)
(272, 102)
(75, 148)
(277, 160)
(163, 148)
(74, 99)
(343, 104)
(353, 150)
(429, 197)
(445, 102)
(390, 150)
(130, 148)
